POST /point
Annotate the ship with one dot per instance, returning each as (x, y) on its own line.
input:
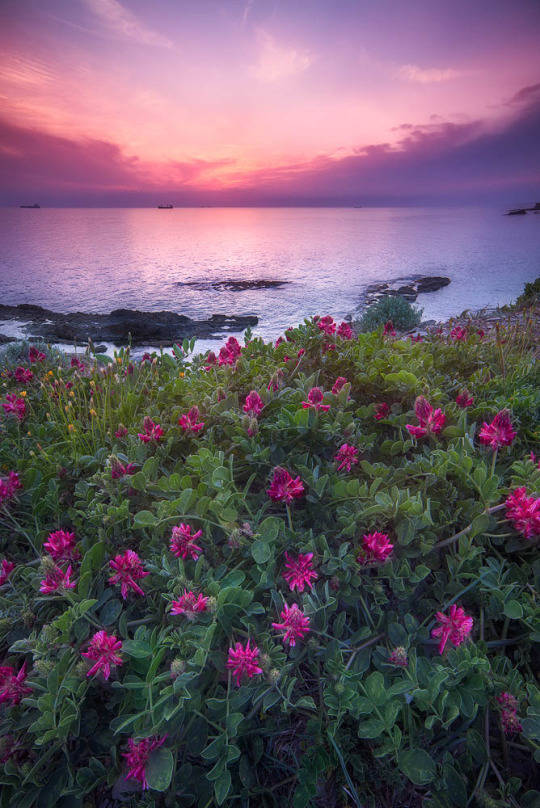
(35, 205)
(165, 207)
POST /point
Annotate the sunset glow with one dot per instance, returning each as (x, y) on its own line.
(117, 102)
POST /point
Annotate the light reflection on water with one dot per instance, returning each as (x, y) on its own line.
(102, 259)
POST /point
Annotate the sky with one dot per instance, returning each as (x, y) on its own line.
(136, 102)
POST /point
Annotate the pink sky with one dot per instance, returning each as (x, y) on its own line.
(235, 97)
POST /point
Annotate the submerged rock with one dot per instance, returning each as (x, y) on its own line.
(232, 285)
(408, 287)
(153, 328)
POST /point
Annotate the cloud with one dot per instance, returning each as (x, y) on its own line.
(124, 22)
(526, 95)
(428, 75)
(278, 61)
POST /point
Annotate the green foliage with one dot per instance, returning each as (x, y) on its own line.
(393, 308)
(530, 295)
(334, 720)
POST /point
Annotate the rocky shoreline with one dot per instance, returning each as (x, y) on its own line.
(153, 328)
(408, 287)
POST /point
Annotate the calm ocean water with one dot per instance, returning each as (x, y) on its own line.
(102, 259)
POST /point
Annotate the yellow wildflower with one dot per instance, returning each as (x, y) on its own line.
(71, 428)
(23, 393)
(181, 374)
(93, 412)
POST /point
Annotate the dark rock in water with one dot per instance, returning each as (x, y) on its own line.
(232, 285)
(100, 349)
(145, 327)
(4, 340)
(431, 284)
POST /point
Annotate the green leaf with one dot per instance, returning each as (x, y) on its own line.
(110, 612)
(371, 728)
(261, 552)
(144, 519)
(513, 609)
(418, 766)
(159, 769)
(375, 688)
(136, 648)
(222, 787)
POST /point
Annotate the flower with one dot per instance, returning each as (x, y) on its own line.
(137, 757)
(376, 547)
(118, 469)
(508, 700)
(283, 488)
(455, 627)
(382, 410)
(57, 580)
(14, 404)
(315, 397)
(146, 357)
(430, 421)
(276, 381)
(76, 363)
(416, 338)
(234, 347)
(121, 432)
(524, 512)
(389, 329)
(103, 649)
(12, 687)
(510, 722)
(339, 383)
(23, 375)
(278, 342)
(189, 604)
(61, 545)
(211, 360)
(327, 325)
(34, 355)
(499, 432)
(345, 331)
(183, 543)
(346, 457)
(242, 662)
(300, 353)
(9, 486)
(5, 572)
(188, 421)
(464, 399)
(294, 624)
(300, 571)
(458, 334)
(129, 569)
(152, 431)
(254, 404)
(398, 657)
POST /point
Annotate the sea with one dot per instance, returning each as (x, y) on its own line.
(90, 259)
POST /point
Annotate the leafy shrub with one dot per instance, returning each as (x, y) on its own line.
(363, 709)
(530, 295)
(393, 308)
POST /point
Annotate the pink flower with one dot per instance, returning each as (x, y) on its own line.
(35, 356)
(508, 700)
(183, 543)
(456, 627)
(121, 432)
(327, 325)
(211, 360)
(152, 431)
(416, 338)
(289, 334)
(190, 421)
(118, 470)
(61, 546)
(328, 346)
(15, 405)
(300, 571)
(189, 604)
(234, 347)
(465, 399)
(382, 410)
(276, 381)
(23, 375)
(103, 649)
(76, 363)
(57, 580)
(9, 486)
(398, 657)
(339, 384)
(278, 342)
(389, 329)
(283, 488)
(12, 687)
(346, 457)
(345, 331)
(137, 757)
(430, 421)
(294, 624)
(5, 572)
(524, 512)
(254, 404)
(225, 356)
(315, 397)
(146, 357)
(242, 662)
(458, 334)
(499, 432)
(129, 569)
(376, 547)
(510, 722)
(300, 353)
